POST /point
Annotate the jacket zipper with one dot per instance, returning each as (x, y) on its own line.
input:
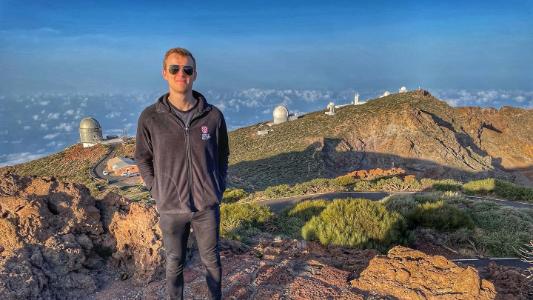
(188, 150)
(187, 142)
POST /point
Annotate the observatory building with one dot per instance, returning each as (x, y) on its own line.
(90, 132)
(280, 114)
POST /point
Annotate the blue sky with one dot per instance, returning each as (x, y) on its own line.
(88, 46)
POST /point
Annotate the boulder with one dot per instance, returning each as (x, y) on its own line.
(409, 274)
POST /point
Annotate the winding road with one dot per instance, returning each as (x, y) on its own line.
(98, 170)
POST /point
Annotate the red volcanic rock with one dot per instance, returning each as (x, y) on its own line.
(409, 274)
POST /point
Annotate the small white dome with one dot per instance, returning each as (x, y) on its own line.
(385, 94)
(280, 114)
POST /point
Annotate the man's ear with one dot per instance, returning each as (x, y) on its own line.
(164, 73)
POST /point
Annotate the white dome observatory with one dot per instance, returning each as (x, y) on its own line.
(90, 132)
(280, 114)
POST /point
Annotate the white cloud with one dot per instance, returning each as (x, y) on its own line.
(50, 136)
(113, 114)
(452, 102)
(43, 126)
(44, 102)
(222, 106)
(27, 127)
(17, 158)
(488, 98)
(69, 112)
(64, 126)
(520, 99)
(53, 116)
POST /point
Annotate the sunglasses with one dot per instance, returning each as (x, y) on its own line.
(174, 69)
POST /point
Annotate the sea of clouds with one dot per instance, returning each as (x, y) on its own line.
(32, 126)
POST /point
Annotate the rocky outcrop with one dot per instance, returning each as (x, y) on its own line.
(57, 242)
(54, 239)
(135, 237)
(409, 274)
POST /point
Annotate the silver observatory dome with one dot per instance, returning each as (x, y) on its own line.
(90, 132)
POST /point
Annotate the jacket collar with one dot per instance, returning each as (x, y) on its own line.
(162, 106)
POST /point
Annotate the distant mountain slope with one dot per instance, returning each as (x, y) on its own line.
(411, 130)
(72, 164)
(414, 130)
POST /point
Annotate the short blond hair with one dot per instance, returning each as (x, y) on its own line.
(179, 51)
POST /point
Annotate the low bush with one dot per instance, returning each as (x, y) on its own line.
(233, 195)
(345, 180)
(502, 230)
(291, 220)
(363, 186)
(439, 215)
(395, 184)
(447, 185)
(318, 185)
(278, 191)
(240, 221)
(357, 223)
(483, 186)
(500, 188)
(434, 210)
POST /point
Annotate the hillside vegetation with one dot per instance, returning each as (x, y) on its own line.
(413, 130)
(70, 165)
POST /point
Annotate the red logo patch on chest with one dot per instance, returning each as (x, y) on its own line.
(205, 129)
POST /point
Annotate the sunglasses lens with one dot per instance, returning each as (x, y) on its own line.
(188, 70)
(173, 69)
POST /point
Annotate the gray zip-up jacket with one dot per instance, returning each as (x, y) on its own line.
(184, 167)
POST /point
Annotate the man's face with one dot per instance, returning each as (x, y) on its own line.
(180, 82)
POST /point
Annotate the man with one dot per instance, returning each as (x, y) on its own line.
(182, 153)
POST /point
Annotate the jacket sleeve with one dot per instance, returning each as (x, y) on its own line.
(223, 151)
(144, 152)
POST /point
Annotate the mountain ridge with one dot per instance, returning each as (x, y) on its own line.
(404, 130)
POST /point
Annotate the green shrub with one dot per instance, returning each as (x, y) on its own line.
(318, 185)
(502, 230)
(363, 186)
(391, 184)
(433, 210)
(483, 186)
(440, 216)
(277, 191)
(357, 223)
(499, 188)
(240, 221)
(511, 191)
(233, 195)
(447, 185)
(291, 220)
(345, 180)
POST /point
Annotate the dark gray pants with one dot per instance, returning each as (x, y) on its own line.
(176, 229)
